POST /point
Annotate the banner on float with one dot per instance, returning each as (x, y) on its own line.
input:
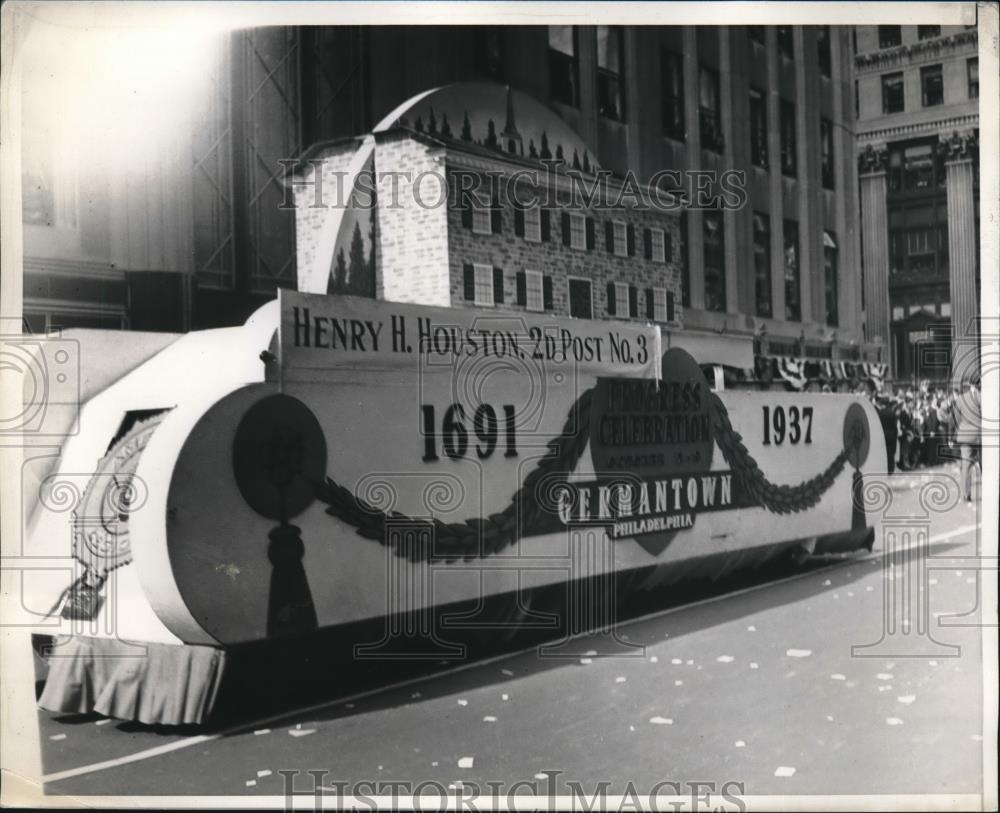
(321, 333)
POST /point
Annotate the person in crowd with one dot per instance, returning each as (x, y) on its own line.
(887, 417)
(905, 420)
(967, 414)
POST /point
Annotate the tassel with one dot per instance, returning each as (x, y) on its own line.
(858, 518)
(290, 606)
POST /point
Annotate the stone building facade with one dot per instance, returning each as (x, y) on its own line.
(917, 91)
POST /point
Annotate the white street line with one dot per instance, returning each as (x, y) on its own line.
(187, 742)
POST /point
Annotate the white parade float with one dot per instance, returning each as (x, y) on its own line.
(339, 461)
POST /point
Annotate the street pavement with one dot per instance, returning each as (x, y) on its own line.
(763, 686)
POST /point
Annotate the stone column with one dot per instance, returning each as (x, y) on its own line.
(872, 163)
(959, 151)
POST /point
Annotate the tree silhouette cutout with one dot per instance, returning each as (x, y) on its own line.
(586, 162)
(559, 153)
(532, 152)
(491, 135)
(545, 146)
(357, 266)
(340, 273)
(466, 128)
(445, 127)
(576, 160)
(432, 125)
(372, 243)
(419, 126)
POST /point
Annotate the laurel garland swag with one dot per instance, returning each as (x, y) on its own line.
(482, 537)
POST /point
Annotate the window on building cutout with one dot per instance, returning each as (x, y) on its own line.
(658, 310)
(659, 245)
(762, 264)
(610, 68)
(758, 128)
(826, 153)
(830, 278)
(564, 69)
(710, 124)
(580, 303)
(793, 299)
(889, 36)
(715, 261)
(620, 238)
(618, 294)
(972, 70)
(482, 217)
(892, 93)
(534, 291)
(926, 32)
(483, 293)
(577, 231)
(672, 68)
(823, 49)
(788, 141)
(931, 86)
(533, 224)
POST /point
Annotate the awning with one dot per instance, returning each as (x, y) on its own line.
(713, 348)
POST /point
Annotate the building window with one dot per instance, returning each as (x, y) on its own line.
(793, 297)
(762, 264)
(826, 153)
(564, 68)
(619, 243)
(659, 305)
(972, 70)
(610, 68)
(926, 32)
(915, 167)
(534, 291)
(577, 231)
(715, 261)
(945, 308)
(889, 36)
(823, 49)
(892, 93)
(830, 277)
(898, 313)
(618, 300)
(483, 284)
(672, 67)
(918, 239)
(533, 224)
(758, 128)
(482, 217)
(580, 302)
(788, 144)
(708, 109)
(756, 33)
(931, 86)
(785, 43)
(489, 51)
(658, 246)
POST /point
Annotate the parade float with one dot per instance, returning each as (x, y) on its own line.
(399, 471)
(339, 460)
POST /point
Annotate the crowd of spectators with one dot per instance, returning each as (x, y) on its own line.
(928, 426)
